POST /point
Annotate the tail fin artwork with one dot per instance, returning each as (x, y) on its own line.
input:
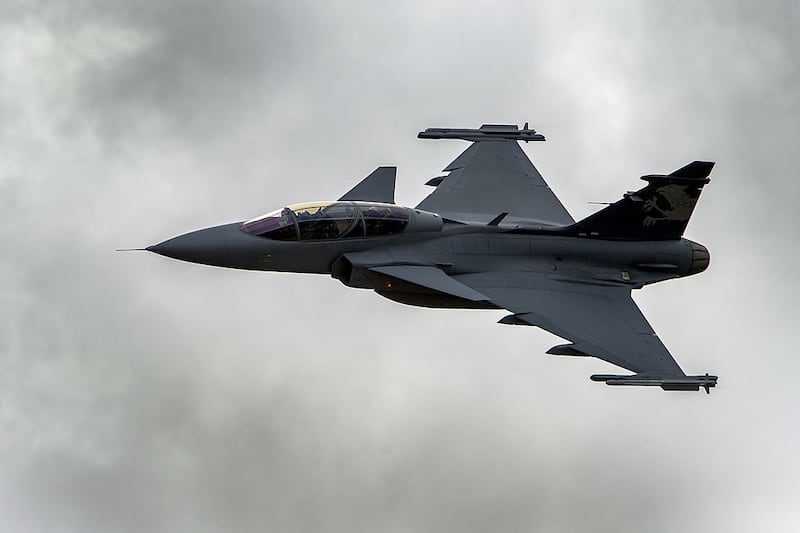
(659, 211)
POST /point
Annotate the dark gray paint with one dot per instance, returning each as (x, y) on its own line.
(468, 193)
(572, 279)
(377, 187)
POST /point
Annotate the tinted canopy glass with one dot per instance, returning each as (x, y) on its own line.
(384, 219)
(329, 220)
(278, 225)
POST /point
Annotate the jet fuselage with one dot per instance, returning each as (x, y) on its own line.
(492, 235)
(456, 249)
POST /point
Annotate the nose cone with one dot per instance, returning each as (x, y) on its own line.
(208, 246)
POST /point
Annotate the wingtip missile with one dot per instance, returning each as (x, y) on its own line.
(670, 383)
(487, 132)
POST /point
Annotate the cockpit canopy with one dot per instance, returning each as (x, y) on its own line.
(329, 220)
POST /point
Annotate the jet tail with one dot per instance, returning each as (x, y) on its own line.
(659, 211)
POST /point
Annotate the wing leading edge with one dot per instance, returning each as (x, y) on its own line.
(494, 176)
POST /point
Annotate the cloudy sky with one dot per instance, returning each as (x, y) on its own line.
(143, 394)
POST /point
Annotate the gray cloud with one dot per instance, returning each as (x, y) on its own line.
(189, 66)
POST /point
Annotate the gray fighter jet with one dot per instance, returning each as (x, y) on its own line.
(492, 235)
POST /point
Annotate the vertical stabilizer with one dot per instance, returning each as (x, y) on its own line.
(659, 211)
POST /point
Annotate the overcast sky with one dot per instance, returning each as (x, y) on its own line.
(143, 394)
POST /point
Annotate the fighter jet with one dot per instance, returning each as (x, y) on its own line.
(492, 235)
